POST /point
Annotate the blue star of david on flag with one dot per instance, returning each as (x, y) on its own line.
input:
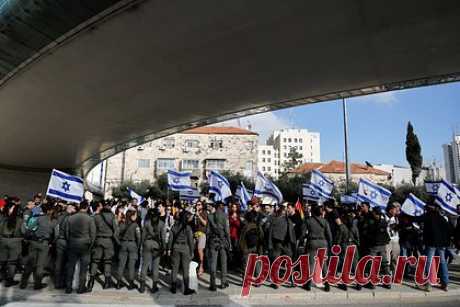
(447, 198)
(322, 185)
(373, 195)
(66, 186)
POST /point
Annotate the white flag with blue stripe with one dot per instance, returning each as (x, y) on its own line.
(375, 195)
(413, 206)
(267, 190)
(179, 181)
(243, 195)
(432, 187)
(66, 187)
(219, 185)
(309, 193)
(134, 195)
(189, 195)
(321, 184)
(447, 197)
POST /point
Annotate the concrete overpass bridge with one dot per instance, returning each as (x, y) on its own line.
(81, 80)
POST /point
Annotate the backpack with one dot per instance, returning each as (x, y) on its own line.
(31, 227)
(251, 237)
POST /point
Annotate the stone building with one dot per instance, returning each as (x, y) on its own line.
(197, 150)
(335, 170)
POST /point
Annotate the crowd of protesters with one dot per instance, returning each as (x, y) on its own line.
(124, 241)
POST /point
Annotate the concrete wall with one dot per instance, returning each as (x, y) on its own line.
(22, 183)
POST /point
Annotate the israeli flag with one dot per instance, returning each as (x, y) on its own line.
(432, 187)
(66, 187)
(219, 185)
(372, 193)
(243, 195)
(348, 199)
(134, 195)
(179, 181)
(447, 197)
(267, 190)
(413, 206)
(189, 195)
(321, 184)
(309, 193)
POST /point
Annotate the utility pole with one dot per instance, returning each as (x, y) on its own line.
(345, 132)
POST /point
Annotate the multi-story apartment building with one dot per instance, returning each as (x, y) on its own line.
(196, 150)
(305, 142)
(452, 159)
(266, 160)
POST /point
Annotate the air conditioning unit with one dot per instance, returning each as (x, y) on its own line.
(140, 148)
(162, 147)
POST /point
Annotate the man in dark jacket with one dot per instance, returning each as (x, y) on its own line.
(379, 241)
(436, 238)
(39, 237)
(104, 249)
(319, 235)
(80, 233)
(218, 244)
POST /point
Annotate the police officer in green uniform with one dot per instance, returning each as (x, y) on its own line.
(10, 242)
(61, 246)
(130, 239)
(153, 242)
(103, 249)
(80, 232)
(219, 245)
(38, 231)
(318, 235)
(180, 248)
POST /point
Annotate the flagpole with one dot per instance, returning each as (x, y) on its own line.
(345, 132)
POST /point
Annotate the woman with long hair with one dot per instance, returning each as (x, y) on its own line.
(130, 238)
(10, 242)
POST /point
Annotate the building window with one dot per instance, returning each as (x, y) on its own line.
(269, 160)
(249, 165)
(295, 140)
(269, 169)
(263, 168)
(192, 143)
(216, 144)
(215, 164)
(300, 140)
(284, 140)
(290, 140)
(263, 159)
(269, 152)
(143, 163)
(285, 147)
(263, 152)
(169, 142)
(300, 147)
(190, 164)
(166, 164)
(285, 155)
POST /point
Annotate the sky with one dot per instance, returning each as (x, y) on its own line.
(377, 123)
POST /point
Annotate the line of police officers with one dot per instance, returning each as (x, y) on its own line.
(96, 240)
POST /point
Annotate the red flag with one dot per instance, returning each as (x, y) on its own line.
(298, 207)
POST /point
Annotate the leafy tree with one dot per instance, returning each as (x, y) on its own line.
(141, 188)
(413, 153)
(236, 178)
(294, 160)
(291, 187)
